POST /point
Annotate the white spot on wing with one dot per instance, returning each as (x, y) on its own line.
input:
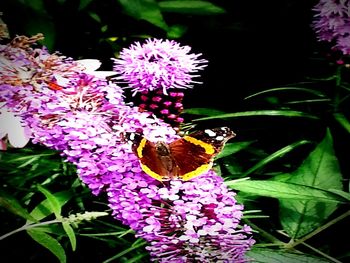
(210, 133)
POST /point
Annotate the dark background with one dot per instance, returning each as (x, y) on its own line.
(253, 46)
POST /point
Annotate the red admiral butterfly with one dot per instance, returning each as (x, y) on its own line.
(183, 158)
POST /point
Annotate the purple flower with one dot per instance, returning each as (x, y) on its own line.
(152, 69)
(86, 119)
(158, 64)
(193, 221)
(332, 23)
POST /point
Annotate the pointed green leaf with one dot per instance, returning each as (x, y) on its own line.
(343, 121)
(231, 148)
(320, 170)
(147, 10)
(176, 31)
(13, 205)
(204, 111)
(95, 17)
(54, 204)
(83, 4)
(48, 242)
(281, 113)
(43, 209)
(264, 255)
(193, 7)
(274, 156)
(71, 235)
(341, 193)
(311, 91)
(284, 190)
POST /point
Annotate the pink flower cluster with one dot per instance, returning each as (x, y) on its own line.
(332, 23)
(158, 64)
(68, 108)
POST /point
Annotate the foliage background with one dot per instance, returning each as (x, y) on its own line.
(252, 46)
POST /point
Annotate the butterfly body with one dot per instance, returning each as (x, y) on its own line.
(184, 158)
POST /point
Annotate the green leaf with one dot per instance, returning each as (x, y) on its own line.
(83, 4)
(42, 24)
(37, 5)
(319, 170)
(284, 190)
(71, 235)
(304, 90)
(13, 205)
(281, 113)
(54, 204)
(342, 193)
(343, 121)
(25, 160)
(48, 242)
(43, 209)
(132, 248)
(95, 17)
(147, 10)
(231, 148)
(264, 255)
(176, 31)
(191, 7)
(204, 111)
(276, 155)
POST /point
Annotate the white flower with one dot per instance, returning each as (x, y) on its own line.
(91, 65)
(11, 126)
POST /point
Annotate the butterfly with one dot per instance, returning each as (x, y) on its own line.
(184, 158)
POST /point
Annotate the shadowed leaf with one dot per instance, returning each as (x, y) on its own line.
(320, 170)
(48, 242)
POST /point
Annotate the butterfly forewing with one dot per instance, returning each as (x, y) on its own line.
(217, 137)
(191, 159)
(146, 151)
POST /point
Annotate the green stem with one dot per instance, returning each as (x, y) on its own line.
(322, 254)
(265, 234)
(318, 230)
(29, 226)
(338, 80)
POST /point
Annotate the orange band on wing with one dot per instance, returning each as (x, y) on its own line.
(209, 149)
(140, 147)
(201, 169)
(151, 173)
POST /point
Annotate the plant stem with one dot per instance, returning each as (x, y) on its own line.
(28, 226)
(321, 253)
(318, 230)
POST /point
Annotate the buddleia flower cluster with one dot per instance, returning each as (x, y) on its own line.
(158, 71)
(66, 105)
(332, 23)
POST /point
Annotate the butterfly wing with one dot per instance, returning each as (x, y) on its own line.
(194, 153)
(216, 137)
(192, 159)
(146, 151)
